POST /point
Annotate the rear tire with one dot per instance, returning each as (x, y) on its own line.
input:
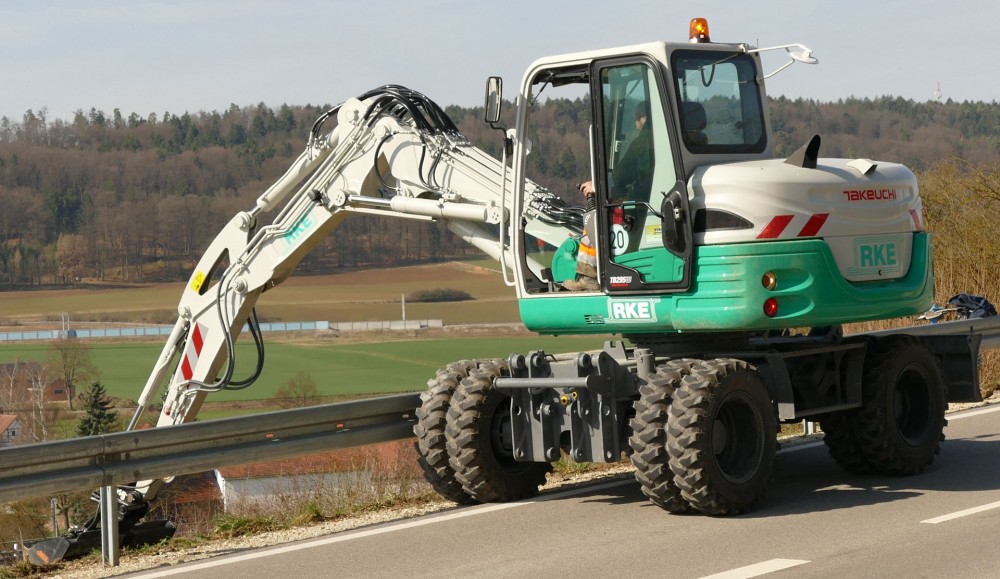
(722, 437)
(901, 423)
(431, 444)
(649, 437)
(841, 439)
(480, 443)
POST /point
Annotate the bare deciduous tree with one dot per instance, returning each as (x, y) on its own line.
(300, 391)
(69, 360)
(22, 393)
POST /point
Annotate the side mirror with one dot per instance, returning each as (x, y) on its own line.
(494, 99)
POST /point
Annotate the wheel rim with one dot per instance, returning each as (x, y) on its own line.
(502, 438)
(737, 438)
(911, 405)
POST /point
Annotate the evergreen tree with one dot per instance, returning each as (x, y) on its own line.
(99, 416)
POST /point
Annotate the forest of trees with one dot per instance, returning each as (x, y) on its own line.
(103, 198)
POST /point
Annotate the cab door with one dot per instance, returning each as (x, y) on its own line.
(644, 225)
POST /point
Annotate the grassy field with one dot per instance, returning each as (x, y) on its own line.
(345, 297)
(340, 366)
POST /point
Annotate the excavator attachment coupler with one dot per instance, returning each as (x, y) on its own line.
(80, 541)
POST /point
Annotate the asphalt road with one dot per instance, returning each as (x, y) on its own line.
(817, 521)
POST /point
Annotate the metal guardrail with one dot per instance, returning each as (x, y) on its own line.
(126, 457)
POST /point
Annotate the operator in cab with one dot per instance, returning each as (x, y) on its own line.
(631, 178)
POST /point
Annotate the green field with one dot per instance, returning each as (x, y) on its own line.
(347, 369)
(339, 366)
(344, 297)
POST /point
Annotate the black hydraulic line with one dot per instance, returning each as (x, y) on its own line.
(230, 347)
(442, 119)
(432, 180)
(420, 167)
(227, 377)
(386, 96)
(258, 340)
(378, 170)
(318, 123)
(413, 102)
(399, 101)
(428, 115)
(555, 211)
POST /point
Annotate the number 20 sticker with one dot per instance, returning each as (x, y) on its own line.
(619, 239)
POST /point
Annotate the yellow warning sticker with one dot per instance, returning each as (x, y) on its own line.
(653, 233)
(197, 281)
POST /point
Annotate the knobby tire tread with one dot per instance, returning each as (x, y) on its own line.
(880, 442)
(484, 474)
(841, 439)
(649, 437)
(692, 460)
(432, 415)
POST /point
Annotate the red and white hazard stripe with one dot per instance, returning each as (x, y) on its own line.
(779, 224)
(192, 352)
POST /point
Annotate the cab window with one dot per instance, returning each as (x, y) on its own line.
(718, 102)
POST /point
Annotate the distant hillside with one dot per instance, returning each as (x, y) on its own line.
(892, 129)
(137, 198)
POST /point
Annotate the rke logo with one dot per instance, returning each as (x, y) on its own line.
(631, 311)
(877, 255)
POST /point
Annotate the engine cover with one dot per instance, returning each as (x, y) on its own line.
(865, 211)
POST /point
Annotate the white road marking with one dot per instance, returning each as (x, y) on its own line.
(971, 413)
(348, 536)
(973, 510)
(758, 569)
(963, 513)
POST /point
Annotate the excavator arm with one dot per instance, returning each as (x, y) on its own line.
(392, 152)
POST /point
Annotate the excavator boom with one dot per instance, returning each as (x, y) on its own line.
(391, 151)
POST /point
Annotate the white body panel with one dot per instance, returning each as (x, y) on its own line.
(867, 220)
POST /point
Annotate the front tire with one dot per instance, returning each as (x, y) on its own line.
(722, 437)
(649, 437)
(430, 428)
(480, 443)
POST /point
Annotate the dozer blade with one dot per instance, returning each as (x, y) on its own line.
(78, 544)
(49, 551)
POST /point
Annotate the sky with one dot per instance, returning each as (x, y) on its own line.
(203, 55)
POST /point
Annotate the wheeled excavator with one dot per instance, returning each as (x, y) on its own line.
(724, 272)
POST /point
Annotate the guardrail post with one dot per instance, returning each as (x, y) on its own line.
(109, 525)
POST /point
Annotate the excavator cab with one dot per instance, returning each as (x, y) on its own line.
(657, 112)
(635, 172)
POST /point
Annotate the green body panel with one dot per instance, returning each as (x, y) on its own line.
(655, 265)
(727, 294)
(564, 260)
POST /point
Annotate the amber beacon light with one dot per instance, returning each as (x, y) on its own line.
(699, 30)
